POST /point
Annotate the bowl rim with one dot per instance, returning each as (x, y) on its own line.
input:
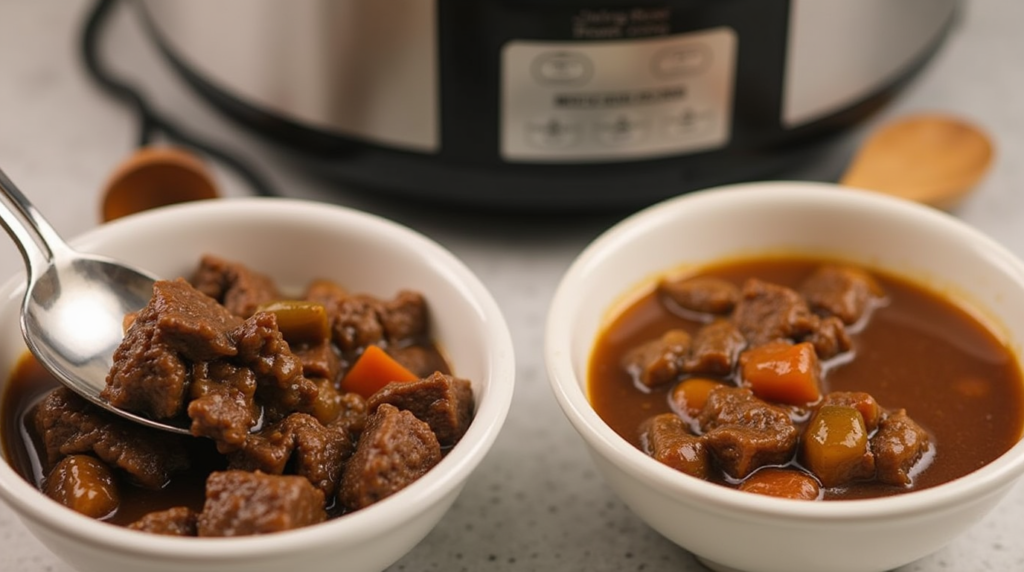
(448, 477)
(572, 398)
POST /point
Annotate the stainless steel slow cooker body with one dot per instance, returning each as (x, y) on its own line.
(540, 104)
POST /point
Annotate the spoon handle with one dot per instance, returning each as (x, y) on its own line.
(27, 226)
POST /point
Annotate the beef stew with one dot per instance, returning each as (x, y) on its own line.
(277, 443)
(806, 378)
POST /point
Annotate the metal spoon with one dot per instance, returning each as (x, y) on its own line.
(75, 303)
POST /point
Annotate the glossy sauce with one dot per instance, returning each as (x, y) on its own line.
(28, 384)
(918, 352)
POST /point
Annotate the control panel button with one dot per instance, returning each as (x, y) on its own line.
(562, 68)
(681, 61)
(553, 133)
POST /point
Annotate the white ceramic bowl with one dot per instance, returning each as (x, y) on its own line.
(729, 529)
(288, 239)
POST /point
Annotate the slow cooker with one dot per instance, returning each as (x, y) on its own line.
(538, 104)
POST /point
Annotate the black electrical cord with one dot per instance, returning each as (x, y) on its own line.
(150, 122)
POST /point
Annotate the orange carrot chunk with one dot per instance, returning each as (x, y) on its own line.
(782, 373)
(372, 371)
(782, 483)
(690, 396)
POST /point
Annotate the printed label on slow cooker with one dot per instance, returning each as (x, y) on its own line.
(622, 99)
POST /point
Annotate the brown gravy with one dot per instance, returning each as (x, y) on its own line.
(919, 352)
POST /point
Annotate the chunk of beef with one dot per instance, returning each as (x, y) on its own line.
(242, 503)
(899, 444)
(300, 444)
(420, 360)
(715, 349)
(361, 320)
(404, 317)
(667, 438)
(281, 387)
(744, 433)
(394, 450)
(443, 402)
(327, 293)
(176, 521)
(782, 483)
(846, 292)
(223, 405)
(829, 337)
(353, 413)
(70, 425)
(704, 294)
(237, 287)
(658, 361)
(768, 312)
(320, 360)
(356, 323)
(179, 326)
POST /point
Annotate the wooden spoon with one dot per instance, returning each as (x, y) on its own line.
(931, 158)
(153, 177)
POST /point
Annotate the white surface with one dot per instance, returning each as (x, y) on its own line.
(536, 503)
(802, 218)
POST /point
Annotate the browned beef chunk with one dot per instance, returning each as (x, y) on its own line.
(405, 316)
(863, 402)
(177, 521)
(362, 320)
(394, 450)
(768, 312)
(715, 349)
(223, 405)
(329, 294)
(356, 323)
(829, 337)
(658, 361)
(281, 387)
(842, 291)
(443, 402)
(704, 294)
(240, 503)
(179, 326)
(744, 433)
(301, 445)
(898, 445)
(418, 359)
(240, 289)
(70, 425)
(353, 413)
(667, 438)
(320, 360)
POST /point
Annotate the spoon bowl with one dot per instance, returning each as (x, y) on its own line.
(935, 159)
(74, 305)
(156, 176)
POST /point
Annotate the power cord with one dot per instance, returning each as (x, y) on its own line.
(150, 121)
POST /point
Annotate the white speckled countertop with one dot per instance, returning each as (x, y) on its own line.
(536, 503)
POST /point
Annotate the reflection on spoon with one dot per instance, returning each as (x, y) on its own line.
(930, 158)
(74, 304)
